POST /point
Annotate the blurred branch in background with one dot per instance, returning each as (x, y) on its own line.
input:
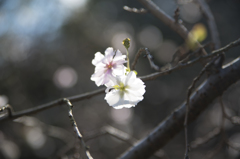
(211, 23)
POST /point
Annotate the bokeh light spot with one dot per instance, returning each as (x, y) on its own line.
(65, 77)
(35, 137)
(150, 37)
(166, 51)
(121, 116)
(73, 4)
(3, 100)
(190, 12)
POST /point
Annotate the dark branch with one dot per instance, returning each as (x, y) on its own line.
(8, 108)
(136, 58)
(149, 57)
(213, 87)
(169, 21)
(52, 104)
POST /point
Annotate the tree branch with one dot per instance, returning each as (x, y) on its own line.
(211, 23)
(87, 95)
(190, 63)
(76, 130)
(169, 21)
(52, 104)
(213, 87)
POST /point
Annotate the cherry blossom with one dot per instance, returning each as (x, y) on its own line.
(126, 92)
(108, 66)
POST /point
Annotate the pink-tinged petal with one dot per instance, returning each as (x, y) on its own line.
(119, 70)
(112, 81)
(119, 61)
(108, 66)
(98, 58)
(119, 55)
(97, 79)
(109, 51)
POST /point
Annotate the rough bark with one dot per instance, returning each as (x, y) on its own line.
(210, 89)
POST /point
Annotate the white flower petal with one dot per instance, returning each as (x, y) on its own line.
(98, 58)
(112, 97)
(129, 92)
(108, 51)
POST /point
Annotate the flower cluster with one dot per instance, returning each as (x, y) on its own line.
(124, 89)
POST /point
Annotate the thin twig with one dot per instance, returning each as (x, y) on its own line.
(8, 108)
(165, 18)
(195, 53)
(52, 104)
(169, 21)
(190, 63)
(135, 10)
(176, 15)
(211, 23)
(189, 92)
(76, 130)
(190, 89)
(136, 58)
(87, 95)
(149, 57)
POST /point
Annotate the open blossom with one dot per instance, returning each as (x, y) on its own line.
(107, 66)
(126, 91)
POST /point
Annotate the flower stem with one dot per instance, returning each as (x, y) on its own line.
(128, 61)
(126, 44)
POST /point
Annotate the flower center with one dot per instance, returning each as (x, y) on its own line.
(120, 87)
(109, 66)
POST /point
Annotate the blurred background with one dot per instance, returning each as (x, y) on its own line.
(46, 49)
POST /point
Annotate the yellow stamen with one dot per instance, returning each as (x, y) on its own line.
(120, 87)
